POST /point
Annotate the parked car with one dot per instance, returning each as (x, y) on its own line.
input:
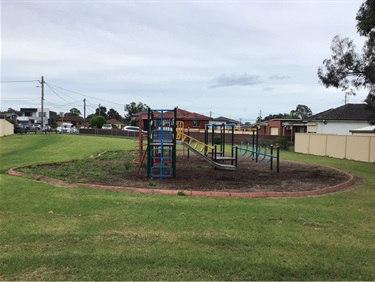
(107, 126)
(133, 129)
(34, 127)
(66, 128)
(20, 128)
(47, 128)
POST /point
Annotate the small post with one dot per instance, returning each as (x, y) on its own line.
(257, 145)
(278, 158)
(236, 156)
(271, 162)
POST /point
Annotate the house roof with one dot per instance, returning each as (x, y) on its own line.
(221, 118)
(181, 114)
(345, 112)
(114, 121)
(366, 129)
(71, 119)
(28, 110)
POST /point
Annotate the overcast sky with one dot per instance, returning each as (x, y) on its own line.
(224, 58)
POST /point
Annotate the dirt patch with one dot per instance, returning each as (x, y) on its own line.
(195, 174)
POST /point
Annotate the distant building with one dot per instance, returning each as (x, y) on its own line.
(34, 115)
(281, 127)
(339, 120)
(225, 120)
(191, 120)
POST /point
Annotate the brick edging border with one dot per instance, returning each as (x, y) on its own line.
(317, 192)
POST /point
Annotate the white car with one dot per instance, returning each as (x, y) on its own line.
(107, 126)
(133, 129)
(66, 128)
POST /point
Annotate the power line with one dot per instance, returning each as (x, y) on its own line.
(18, 81)
(57, 94)
(84, 95)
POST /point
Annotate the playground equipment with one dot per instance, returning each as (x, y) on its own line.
(204, 149)
(257, 153)
(164, 132)
(161, 143)
(220, 155)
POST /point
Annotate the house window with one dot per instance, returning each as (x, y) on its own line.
(196, 123)
(274, 131)
(300, 129)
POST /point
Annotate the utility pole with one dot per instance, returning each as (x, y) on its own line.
(84, 112)
(42, 102)
(99, 110)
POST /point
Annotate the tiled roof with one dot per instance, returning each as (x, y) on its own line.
(114, 121)
(345, 112)
(70, 119)
(181, 114)
(225, 119)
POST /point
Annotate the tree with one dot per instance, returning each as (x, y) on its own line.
(73, 112)
(97, 121)
(301, 112)
(276, 116)
(348, 70)
(114, 114)
(134, 108)
(101, 111)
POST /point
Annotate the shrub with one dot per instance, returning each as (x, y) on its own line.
(217, 140)
(283, 142)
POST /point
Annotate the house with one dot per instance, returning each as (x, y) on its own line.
(339, 120)
(281, 127)
(77, 121)
(191, 120)
(8, 116)
(115, 122)
(34, 115)
(225, 120)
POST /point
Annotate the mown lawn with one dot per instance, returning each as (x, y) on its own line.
(55, 233)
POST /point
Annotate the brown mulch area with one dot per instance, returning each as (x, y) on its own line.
(196, 174)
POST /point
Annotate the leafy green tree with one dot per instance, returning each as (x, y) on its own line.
(133, 108)
(73, 112)
(101, 111)
(97, 121)
(276, 116)
(114, 114)
(348, 70)
(301, 112)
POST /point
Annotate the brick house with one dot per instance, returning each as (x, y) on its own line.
(281, 127)
(78, 122)
(191, 120)
(116, 122)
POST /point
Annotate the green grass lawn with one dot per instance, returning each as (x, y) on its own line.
(55, 233)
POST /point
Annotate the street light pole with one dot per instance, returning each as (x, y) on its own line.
(42, 102)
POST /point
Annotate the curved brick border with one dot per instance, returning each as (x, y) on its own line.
(56, 182)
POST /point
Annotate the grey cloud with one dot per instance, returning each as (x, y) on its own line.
(278, 77)
(234, 79)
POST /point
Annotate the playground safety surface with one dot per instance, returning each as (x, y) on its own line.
(196, 177)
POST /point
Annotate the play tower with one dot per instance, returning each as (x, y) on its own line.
(161, 143)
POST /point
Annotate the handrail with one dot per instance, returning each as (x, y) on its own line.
(181, 135)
